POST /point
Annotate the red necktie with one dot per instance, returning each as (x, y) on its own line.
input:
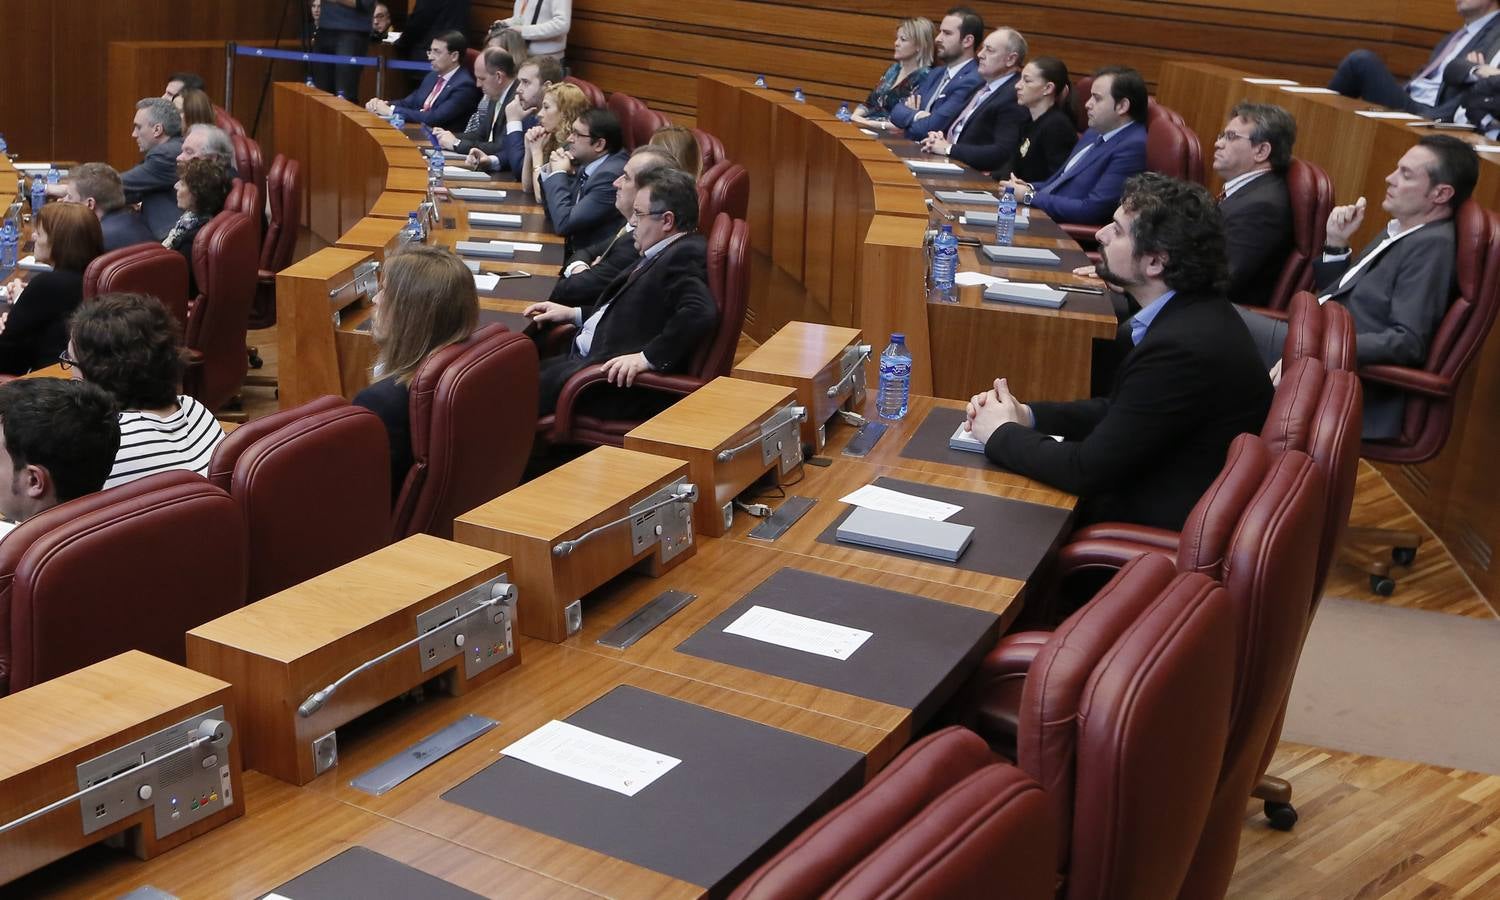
(436, 89)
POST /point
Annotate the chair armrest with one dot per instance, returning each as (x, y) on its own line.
(1416, 381)
(556, 339)
(992, 697)
(682, 385)
(567, 398)
(1103, 553)
(266, 276)
(1013, 655)
(1145, 535)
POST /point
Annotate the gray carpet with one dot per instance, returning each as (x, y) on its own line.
(1399, 683)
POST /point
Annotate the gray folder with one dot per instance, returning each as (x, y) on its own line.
(908, 534)
(1024, 256)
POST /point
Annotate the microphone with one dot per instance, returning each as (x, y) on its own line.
(681, 493)
(797, 414)
(864, 353)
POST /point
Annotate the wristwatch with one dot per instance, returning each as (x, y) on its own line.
(1330, 250)
(1027, 197)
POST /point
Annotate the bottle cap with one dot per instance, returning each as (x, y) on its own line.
(898, 338)
(947, 228)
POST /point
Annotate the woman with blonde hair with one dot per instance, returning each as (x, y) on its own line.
(913, 54)
(683, 146)
(561, 104)
(426, 302)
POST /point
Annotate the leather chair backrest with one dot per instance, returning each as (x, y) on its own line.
(645, 123)
(244, 198)
(940, 821)
(1310, 193)
(590, 90)
(1318, 331)
(284, 189)
(226, 252)
(729, 282)
(1289, 424)
(730, 191)
(227, 122)
(1338, 338)
(1172, 149)
(313, 483)
(473, 417)
(1333, 445)
(707, 210)
(625, 108)
(249, 162)
(1077, 97)
(1203, 544)
(711, 148)
(145, 269)
(133, 567)
(1155, 111)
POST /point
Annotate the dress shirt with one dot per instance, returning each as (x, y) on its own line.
(1425, 85)
(1102, 139)
(585, 339)
(1240, 181)
(1141, 321)
(1391, 237)
(948, 75)
(979, 97)
(436, 90)
(588, 170)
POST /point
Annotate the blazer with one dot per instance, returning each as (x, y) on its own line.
(584, 211)
(123, 228)
(1046, 143)
(1090, 191)
(1149, 450)
(1258, 234)
(993, 131)
(491, 132)
(945, 107)
(664, 311)
(391, 401)
(1397, 303)
(1456, 74)
(426, 21)
(36, 333)
(512, 153)
(451, 109)
(615, 256)
(152, 184)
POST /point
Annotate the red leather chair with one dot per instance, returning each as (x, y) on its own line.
(590, 90)
(143, 269)
(1324, 332)
(244, 198)
(228, 123)
(1310, 191)
(729, 281)
(645, 123)
(1173, 149)
(225, 253)
(724, 188)
(473, 407)
(712, 149)
(1077, 97)
(625, 108)
(314, 485)
(1156, 111)
(131, 568)
(249, 162)
(284, 193)
(941, 821)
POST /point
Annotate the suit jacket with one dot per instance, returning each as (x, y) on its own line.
(451, 109)
(993, 131)
(152, 184)
(1456, 79)
(513, 145)
(429, 19)
(584, 211)
(123, 228)
(1147, 452)
(36, 333)
(615, 256)
(1046, 143)
(1397, 303)
(1090, 191)
(491, 132)
(664, 312)
(1258, 231)
(945, 107)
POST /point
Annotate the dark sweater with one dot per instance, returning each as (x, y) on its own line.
(391, 401)
(37, 331)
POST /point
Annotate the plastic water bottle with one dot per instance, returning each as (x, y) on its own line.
(412, 233)
(10, 247)
(309, 81)
(895, 379)
(843, 114)
(4, 147)
(1005, 218)
(760, 81)
(798, 95)
(944, 262)
(398, 120)
(38, 195)
(53, 176)
(435, 172)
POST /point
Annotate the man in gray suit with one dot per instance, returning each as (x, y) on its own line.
(1399, 287)
(158, 132)
(578, 183)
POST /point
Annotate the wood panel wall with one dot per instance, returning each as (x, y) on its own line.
(837, 49)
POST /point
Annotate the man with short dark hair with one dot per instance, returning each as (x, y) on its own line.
(1190, 383)
(178, 82)
(593, 267)
(380, 23)
(1435, 91)
(58, 440)
(446, 97)
(988, 130)
(495, 72)
(578, 188)
(652, 317)
(1251, 154)
(343, 30)
(532, 80)
(942, 95)
(157, 129)
(97, 186)
(1399, 288)
(1088, 185)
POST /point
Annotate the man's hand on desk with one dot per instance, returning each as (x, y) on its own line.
(550, 313)
(378, 106)
(621, 370)
(936, 142)
(991, 409)
(445, 138)
(477, 160)
(1343, 221)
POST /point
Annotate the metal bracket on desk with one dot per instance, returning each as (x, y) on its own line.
(785, 516)
(365, 282)
(640, 623)
(778, 437)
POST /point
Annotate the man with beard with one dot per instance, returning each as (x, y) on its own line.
(1190, 382)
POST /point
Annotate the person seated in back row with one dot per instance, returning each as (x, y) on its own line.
(913, 55)
(97, 187)
(446, 97)
(1047, 138)
(57, 441)
(988, 130)
(157, 129)
(1251, 154)
(941, 96)
(34, 333)
(592, 268)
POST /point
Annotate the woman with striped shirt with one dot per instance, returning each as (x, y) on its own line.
(130, 345)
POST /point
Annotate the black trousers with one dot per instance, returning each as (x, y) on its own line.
(335, 78)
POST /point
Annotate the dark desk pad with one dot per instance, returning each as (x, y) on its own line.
(512, 320)
(1010, 536)
(930, 442)
(360, 872)
(918, 651)
(537, 287)
(741, 791)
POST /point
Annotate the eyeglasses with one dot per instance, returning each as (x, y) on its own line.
(66, 361)
(1230, 137)
(581, 135)
(636, 215)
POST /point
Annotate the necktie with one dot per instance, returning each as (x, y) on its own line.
(1439, 57)
(927, 104)
(958, 126)
(436, 89)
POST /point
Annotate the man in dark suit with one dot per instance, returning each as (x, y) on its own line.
(532, 80)
(988, 130)
(1435, 91)
(1189, 385)
(343, 30)
(1400, 286)
(446, 97)
(1251, 155)
(652, 317)
(941, 96)
(157, 130)
(495, 72)
(578, 187)
(428, 20)
(97, 186)
(1087, 188)
(594, 267)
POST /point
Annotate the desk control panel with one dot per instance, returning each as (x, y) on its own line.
(471, 625)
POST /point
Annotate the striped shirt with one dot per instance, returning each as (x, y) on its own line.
(150, 443)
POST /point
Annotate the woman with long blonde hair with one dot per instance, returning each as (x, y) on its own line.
(561, 104)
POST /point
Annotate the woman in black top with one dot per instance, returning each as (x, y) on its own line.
(35, 331)
(1048, 139)
(202, 187)
(426, 302)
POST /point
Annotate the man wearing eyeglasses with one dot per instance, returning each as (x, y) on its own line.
(578, 182)
(446, 97)
(1251, 155)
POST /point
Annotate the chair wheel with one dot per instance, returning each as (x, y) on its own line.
(1403, 556)
(255, 361)
(1281, 816)
(1382, 585)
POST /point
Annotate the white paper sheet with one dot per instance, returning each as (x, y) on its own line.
(1301, 89)
(1487, 148)
(521, 246)
(974, 196)
(969, 279)
(485, 281)
(1387, 114)
(476, 194)
(460, 174)
(1281, 81)
(875, 497)
(869, 132)
(933, 166)
(591, 758)
(479, 218)
(796, 632)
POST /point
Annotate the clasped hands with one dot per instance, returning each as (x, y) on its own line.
(378, 106)
(936, 142)
(993, 408)
(619, 371)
